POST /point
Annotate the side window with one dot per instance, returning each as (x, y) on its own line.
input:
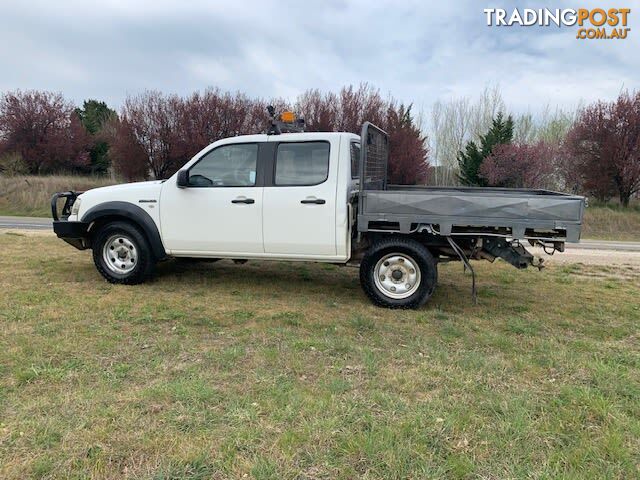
(355, 160)
(227, 166)
(304, 163)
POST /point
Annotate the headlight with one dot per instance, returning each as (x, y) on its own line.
(76, 207)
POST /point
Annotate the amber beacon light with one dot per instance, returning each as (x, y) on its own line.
(287, 117)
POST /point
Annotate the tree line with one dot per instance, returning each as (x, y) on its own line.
(598, 154)
(594, 150)
(154, 134)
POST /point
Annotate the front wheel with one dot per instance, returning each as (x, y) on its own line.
(122, 254)
(398, 273)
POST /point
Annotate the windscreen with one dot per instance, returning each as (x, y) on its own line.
(374, 156)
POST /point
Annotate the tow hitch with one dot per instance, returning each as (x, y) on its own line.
(511, 252)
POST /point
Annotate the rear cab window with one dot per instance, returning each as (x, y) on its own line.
(355, 160)
(302, 163)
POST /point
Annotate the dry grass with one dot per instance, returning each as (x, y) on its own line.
(30, 195)
(285, 370)
(612, 222)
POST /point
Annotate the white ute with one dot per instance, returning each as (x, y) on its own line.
(317, 197)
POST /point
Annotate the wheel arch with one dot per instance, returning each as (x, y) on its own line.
(430, 242)
(112, 211)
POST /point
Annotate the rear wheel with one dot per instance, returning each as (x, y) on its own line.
(122, 254)
(398, 273)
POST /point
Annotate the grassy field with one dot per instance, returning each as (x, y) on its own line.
(283, 371)
(30, 196)
(612, 222)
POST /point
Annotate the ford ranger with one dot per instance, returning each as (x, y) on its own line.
(321, 197)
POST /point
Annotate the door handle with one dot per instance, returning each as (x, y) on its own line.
(243, 200)
(317, 201)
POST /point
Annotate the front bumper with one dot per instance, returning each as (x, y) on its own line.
(74, 233)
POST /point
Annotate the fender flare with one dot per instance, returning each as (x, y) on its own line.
(134, 213)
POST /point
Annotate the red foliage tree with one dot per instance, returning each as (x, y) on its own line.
(408, 152)
(153, 120)
(213, 115)
(319, 111)
(170, 129)
(44, 129)
(345, 111)
(605, 147)
(351, 107)
(128, 157)
(79, 146)
(520, 166)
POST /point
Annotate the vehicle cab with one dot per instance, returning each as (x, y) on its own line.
(263, 196)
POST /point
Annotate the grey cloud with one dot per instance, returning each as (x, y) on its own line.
(419, 51)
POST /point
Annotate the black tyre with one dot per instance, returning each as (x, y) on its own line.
(398, 272)
(122, 254)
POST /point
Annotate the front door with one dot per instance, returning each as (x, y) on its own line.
(299, 215)
(220, 212)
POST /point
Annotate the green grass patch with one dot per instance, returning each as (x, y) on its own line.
(252, 371)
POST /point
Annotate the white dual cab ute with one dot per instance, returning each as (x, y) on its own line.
(320, 197)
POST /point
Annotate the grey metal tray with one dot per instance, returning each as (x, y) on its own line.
(516, 213)
(523, 213)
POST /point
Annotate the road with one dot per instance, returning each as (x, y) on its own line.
(25, 223)
(36, 223)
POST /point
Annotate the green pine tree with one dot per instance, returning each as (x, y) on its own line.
(93, 115)
(470, 159)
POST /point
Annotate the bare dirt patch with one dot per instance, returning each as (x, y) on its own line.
(597, 264)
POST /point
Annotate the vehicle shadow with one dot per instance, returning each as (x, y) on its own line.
(282, 278)
(259, 278)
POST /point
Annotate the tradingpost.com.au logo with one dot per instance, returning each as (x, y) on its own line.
(596, 23)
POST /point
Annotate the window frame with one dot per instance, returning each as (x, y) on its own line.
(275, 164)
(258, 176)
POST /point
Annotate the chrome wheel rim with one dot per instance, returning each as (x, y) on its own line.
(397, 276)
(120, 254)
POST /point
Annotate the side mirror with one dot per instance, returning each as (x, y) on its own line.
(183, 178)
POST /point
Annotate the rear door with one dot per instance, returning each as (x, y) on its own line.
(299, 199)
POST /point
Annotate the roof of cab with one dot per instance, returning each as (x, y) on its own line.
(263, 137)
(302, 136)
(286, 137)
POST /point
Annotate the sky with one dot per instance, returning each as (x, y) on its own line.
(418, 51)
